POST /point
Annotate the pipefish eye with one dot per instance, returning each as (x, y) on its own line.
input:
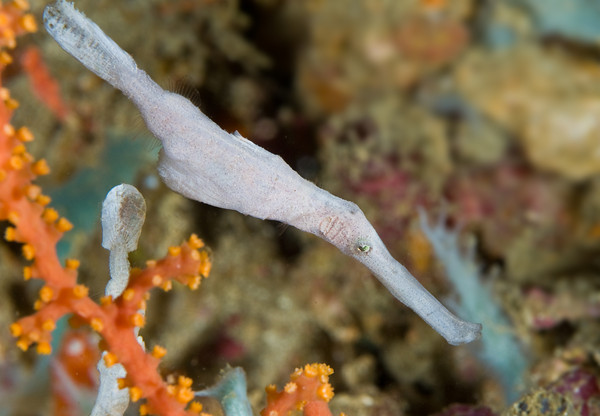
(365, 248)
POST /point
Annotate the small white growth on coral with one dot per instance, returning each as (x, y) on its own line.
(123, 214)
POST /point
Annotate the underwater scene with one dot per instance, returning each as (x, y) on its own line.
(156, 262)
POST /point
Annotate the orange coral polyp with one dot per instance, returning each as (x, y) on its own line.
(106, 300)
(174, 251)
(16, 162)
(128, 294)
(123, 383)
(195, 407)
(195, 242)
(135, 394)
(40, 168)
(181, 391)
(325, 392)
(22, 5)
(194, 282)
(309, 388)
(46, 294)
(16, 330)
(80, 291)
(32, 191)
(158, 352)
(28, 23)
(44, 348)
(72, 264)
(27, 272)
(63, 225)
(23, 134)
(43, 200)
(11, 103)
(18, 149)
(23, 344)
(50, 215)
(10, 234)
(13, 217)
(157, 280)
(97, 325)
(137, 320)
(110, 359)
(48, 325)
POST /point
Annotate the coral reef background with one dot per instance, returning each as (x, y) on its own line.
(486, 112)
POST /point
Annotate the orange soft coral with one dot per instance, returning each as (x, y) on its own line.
(73, 373)
(15, 21)
(39, 228)
(308, 390)
(115, 321)
(44, 85)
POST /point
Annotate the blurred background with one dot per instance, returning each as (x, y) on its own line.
(483, 114)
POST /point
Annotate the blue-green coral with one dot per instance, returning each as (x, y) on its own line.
(500, 350)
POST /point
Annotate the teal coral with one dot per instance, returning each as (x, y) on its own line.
(500, 349)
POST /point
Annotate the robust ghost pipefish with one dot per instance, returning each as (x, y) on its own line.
(203, 162)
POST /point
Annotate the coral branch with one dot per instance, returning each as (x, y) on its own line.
(39, 228)
(308, 390)
(44, 85)
(115, 321)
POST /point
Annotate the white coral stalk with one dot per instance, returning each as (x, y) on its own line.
(123, 214)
